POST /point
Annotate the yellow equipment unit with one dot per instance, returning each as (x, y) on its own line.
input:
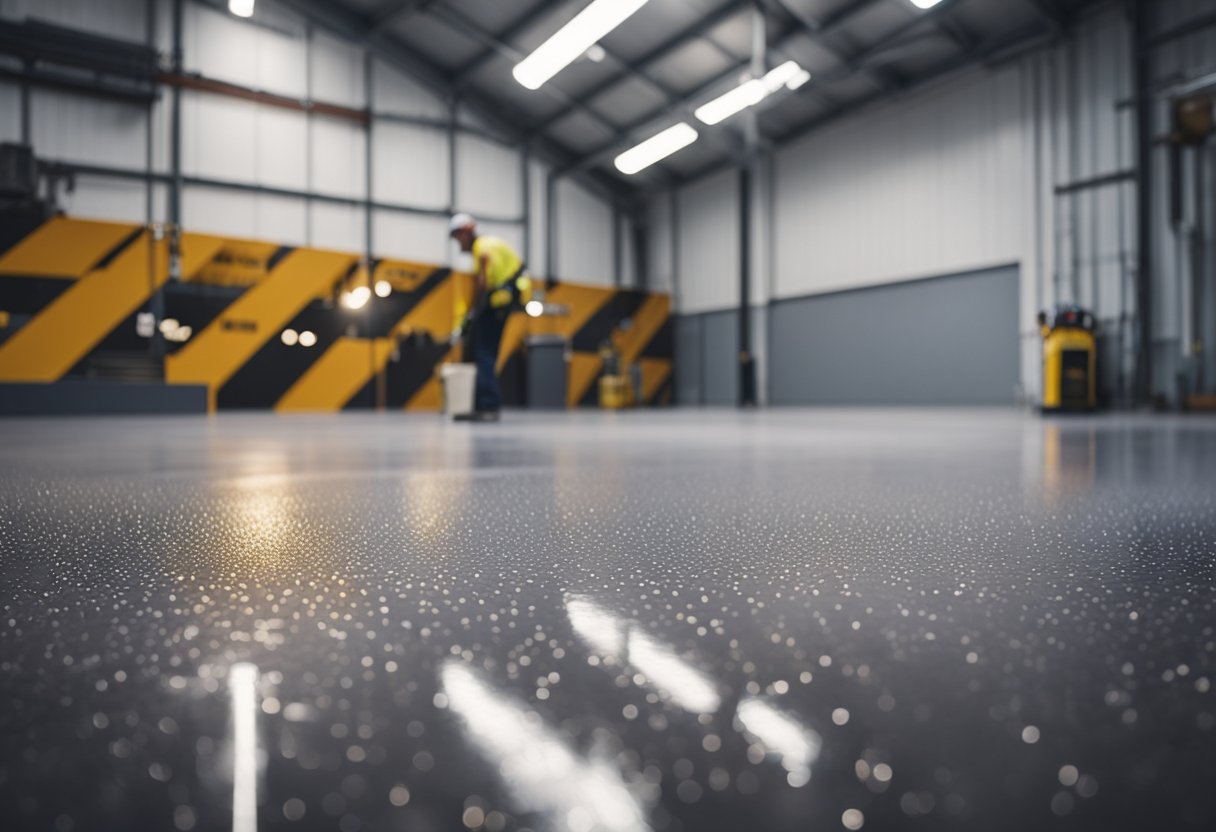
(1069, 360)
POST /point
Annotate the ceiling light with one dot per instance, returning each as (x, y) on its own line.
(925, 4)
(752, 92)
(241, 8)
(572, 40)
(659, 146)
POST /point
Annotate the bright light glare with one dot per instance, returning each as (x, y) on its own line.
(925, 4)
(241, 8)
(290, 337)
(535, 308)
(307, 338)
(383, 288)
(539, 766)
(356, 298)
(659, 146)
(168, 325)
(242, 688)
(752, 92)
(782, 735)
(572, 40)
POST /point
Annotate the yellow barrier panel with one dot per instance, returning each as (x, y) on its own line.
(65, 248)
(259, 314)
(46, 348)
(336, 376)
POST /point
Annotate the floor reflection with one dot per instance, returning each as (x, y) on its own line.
(541, 772)
(624, 643)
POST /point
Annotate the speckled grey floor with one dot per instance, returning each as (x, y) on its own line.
(668, 621)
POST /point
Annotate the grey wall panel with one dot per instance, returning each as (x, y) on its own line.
(720, 371)
(688, 360)
(947, 340)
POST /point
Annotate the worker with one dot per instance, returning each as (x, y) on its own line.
(500, 286)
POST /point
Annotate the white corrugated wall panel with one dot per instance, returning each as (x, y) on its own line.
(106, 198)
(629, 277)
(660, 263)
(537, 198)
(282, 148)
(410, 236)
(926, 186)
(219, 137)
(488, 178)
(336, 71)
(394, 92)
(122, 19)
(410, 165)
(70, 127)
(337, 157)
(222, 46)
(584, 236)
(335, 226)
(252, 216)
(709, 243)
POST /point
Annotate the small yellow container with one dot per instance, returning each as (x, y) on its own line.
(1069, 361)
(614, 392)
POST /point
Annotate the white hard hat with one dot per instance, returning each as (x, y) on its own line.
(460, 221)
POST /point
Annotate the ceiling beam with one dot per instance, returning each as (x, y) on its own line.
(398, 10)
(465, 74)
(459, 21)
(356, 28)
(1051, 13)
(854, 65)
(815, 30)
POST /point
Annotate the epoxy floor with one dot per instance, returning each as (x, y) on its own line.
(789, 620)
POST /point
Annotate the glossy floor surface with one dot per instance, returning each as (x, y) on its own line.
(790, 620)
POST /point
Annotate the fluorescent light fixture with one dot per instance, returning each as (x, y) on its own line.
(925, 4)
(572, 40)
(657, 147)
(241, 8)
(752, 92)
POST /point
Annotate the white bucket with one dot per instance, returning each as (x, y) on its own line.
(459, 386)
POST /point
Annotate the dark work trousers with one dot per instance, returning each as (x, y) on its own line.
(487, 334)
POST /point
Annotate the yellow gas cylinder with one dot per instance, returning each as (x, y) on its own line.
(1069, 360)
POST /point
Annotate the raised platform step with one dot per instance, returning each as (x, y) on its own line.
(84, 396)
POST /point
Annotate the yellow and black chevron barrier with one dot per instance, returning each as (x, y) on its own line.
(265, 329)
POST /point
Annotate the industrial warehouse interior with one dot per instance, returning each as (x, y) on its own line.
(607, 415)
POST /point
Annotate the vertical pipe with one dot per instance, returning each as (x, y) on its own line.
(747, 179)
(27, 131)
(641, 258)
(525, 190)
(379, 396)
(157, 296)
(550, 229)
(1198, 267)
(1141, 30)
(452, 182)
(617, 276)
(175, 140)
(747, 393)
